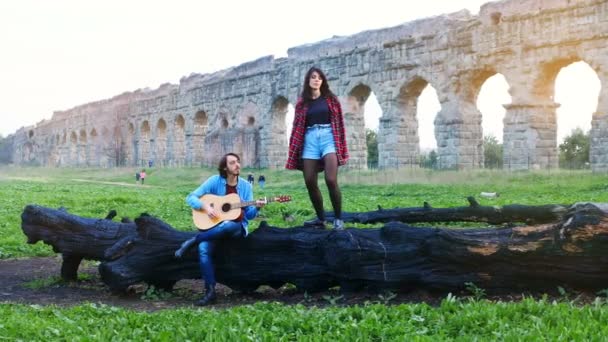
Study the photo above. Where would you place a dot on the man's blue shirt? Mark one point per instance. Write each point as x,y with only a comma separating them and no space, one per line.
216,185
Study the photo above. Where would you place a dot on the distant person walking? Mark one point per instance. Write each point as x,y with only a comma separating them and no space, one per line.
142,176
318,142
261,181
250,179
137,173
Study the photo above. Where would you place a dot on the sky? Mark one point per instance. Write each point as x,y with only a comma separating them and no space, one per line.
60,54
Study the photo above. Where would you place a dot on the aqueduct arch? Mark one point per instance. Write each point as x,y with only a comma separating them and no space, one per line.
527,41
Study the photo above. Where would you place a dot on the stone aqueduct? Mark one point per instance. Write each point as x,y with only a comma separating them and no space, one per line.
243,108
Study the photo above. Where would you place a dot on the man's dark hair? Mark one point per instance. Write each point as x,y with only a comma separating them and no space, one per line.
224,163
307,91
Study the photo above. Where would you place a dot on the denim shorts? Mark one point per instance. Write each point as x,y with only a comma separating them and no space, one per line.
318,142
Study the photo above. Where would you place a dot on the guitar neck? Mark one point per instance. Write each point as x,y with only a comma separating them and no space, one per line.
248,203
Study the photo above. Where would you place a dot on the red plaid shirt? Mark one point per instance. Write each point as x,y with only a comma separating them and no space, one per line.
296,142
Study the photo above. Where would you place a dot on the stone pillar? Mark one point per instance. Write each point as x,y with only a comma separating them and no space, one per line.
42,154
54,155
144,147
598,154
266,144
137,150
398,143
170,151
530,136
95,149
270,150
152,154
249,147
179,140
89,152
64,155
161,149
459,134
134,148
189,153
212,144
82,154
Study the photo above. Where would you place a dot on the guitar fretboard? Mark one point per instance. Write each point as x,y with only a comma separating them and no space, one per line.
248,203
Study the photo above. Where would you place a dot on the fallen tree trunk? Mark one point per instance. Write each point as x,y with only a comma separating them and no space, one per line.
75,237
529,214
397,256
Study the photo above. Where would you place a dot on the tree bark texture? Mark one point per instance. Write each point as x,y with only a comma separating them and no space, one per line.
75,237
514,213
568,252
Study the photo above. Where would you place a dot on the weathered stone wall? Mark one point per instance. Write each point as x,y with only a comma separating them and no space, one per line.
243,109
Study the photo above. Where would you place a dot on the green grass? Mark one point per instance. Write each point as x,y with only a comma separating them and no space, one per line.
93,192
453,320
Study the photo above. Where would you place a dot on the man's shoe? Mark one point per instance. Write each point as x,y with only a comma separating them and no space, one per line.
184,247
338,224
316,222
209,297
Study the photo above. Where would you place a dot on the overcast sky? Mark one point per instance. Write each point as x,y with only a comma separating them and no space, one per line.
59,54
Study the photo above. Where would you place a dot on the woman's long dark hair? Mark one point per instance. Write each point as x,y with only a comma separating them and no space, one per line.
224,163
307,91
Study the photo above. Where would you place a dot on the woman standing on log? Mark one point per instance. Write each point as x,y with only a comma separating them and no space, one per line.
227,182
318,143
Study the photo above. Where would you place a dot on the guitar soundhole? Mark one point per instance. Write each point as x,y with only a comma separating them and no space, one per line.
226,207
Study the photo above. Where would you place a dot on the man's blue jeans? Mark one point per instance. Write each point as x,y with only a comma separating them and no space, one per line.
206,245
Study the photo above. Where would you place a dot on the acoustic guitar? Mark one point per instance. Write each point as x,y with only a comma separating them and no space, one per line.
227,208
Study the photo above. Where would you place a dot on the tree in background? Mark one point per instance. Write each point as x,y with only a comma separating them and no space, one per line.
574,151
429,161
371,139
117,148
492,153
114,145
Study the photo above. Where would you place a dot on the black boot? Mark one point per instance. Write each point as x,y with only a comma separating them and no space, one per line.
209,297
185,245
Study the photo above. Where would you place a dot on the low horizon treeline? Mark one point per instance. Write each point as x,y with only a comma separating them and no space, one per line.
573,152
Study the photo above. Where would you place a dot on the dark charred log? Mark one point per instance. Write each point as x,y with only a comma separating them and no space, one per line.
529,214
568,252
75,237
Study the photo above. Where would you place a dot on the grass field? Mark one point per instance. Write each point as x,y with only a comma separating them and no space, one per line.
93,192
459,320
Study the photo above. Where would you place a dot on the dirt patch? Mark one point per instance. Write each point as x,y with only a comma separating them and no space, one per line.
36,281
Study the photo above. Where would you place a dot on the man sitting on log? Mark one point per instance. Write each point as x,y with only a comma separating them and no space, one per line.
227,182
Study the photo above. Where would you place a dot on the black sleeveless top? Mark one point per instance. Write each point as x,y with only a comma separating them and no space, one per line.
318,112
